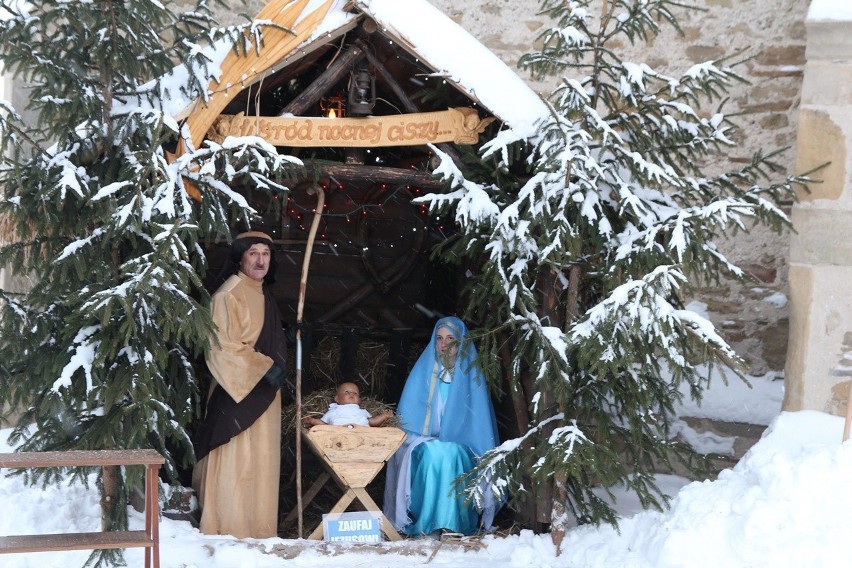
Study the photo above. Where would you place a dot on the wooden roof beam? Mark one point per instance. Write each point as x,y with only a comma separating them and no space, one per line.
316,90
377,174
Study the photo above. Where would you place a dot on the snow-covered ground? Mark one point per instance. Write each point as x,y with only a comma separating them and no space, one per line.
786,503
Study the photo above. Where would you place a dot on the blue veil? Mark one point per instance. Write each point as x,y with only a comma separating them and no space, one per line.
468,415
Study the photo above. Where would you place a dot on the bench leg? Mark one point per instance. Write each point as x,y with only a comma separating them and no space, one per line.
152,517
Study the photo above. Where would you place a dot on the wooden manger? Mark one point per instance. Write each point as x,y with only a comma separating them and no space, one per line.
353,456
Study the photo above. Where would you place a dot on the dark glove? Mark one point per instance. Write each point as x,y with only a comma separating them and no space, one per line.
274,376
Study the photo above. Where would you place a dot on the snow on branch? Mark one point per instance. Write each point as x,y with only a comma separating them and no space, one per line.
78,244
641,309
82,357
551,341
497,468
474,207
677,230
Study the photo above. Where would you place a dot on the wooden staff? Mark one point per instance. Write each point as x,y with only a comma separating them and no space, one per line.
303,284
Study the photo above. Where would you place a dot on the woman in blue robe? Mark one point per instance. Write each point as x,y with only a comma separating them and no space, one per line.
447,413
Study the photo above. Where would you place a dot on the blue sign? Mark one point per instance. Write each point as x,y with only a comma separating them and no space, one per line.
359,526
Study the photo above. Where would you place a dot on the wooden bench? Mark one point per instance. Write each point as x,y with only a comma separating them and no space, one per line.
149,538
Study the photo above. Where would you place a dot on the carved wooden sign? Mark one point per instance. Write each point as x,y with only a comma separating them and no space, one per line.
457,125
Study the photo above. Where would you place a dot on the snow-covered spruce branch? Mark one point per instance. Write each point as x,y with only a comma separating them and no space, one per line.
248,156
550,343
473,205
650,143
638,20
14,135
679,230
642,87
497,469
640,309
165,267
761,166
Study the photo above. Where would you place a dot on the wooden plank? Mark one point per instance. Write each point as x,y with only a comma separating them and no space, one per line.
80,458
370,505
365,499
357,474
152,516
237,67
389,529
343,444
252,65
367,173
340,507
74,541
407,103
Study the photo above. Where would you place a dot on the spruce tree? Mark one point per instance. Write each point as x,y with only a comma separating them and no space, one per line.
99,350
584,264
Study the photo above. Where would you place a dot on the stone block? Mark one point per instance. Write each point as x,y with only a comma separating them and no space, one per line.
764,274
839,398
702,53
780,55
817,227
827,83
820,323
828,40
775,121
773,339
820,141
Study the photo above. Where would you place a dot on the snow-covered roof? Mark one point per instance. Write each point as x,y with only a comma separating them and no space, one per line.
436,40
457,56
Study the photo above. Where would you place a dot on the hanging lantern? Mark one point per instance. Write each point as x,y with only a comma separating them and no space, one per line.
362,91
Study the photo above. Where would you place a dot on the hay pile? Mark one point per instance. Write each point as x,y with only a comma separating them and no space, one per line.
330,361
370,365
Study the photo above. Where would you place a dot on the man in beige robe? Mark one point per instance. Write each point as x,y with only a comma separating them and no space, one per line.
237,477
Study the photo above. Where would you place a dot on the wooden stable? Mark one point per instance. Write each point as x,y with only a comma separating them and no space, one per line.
353,456
366,110
360,106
